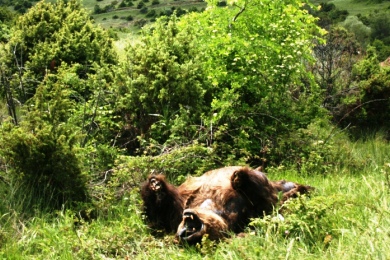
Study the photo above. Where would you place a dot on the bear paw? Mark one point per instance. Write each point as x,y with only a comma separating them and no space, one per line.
155,184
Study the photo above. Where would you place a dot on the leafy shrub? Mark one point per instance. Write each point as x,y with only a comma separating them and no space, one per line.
140,5
257,101
43,168
161,85
98,10
151,13
365,106
49,35
140,22
42,153
383,50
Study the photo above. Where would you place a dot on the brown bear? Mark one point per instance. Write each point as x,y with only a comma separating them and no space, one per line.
216,203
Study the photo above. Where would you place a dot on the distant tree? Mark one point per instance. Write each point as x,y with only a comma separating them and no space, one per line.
362,32
140,5
151,13
333,67
97,9
193,9
143,10
180,11
140,23
328,14
380,25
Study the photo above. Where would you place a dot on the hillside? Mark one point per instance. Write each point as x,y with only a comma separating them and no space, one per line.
137,13
355,7
135,16
131,15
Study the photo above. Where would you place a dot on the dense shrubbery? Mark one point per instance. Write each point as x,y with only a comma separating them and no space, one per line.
366,105
53,78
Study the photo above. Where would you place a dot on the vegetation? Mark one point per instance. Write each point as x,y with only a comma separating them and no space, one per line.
297,89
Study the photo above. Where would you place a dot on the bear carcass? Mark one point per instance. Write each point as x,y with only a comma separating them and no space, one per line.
215,203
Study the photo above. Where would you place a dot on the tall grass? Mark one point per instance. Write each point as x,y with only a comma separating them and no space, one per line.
347,217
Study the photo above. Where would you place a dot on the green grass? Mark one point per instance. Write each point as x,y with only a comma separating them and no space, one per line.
355,7
347,217
360,7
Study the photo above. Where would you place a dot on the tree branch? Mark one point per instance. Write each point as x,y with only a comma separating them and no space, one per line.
242,9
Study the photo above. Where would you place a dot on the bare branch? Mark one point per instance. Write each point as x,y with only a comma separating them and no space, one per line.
242,9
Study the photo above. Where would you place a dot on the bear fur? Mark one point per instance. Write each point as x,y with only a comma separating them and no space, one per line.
220,201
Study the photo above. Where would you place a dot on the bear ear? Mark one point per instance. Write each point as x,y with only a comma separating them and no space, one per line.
260,169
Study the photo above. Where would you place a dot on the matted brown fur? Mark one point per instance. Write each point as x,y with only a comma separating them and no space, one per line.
219,201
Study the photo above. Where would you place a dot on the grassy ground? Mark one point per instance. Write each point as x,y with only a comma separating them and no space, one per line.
347,217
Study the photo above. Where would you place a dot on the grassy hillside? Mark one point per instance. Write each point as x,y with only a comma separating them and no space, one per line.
118,17
355,7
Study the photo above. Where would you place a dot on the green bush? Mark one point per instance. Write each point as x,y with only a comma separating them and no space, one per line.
161,87
48,36
43,170
365,106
